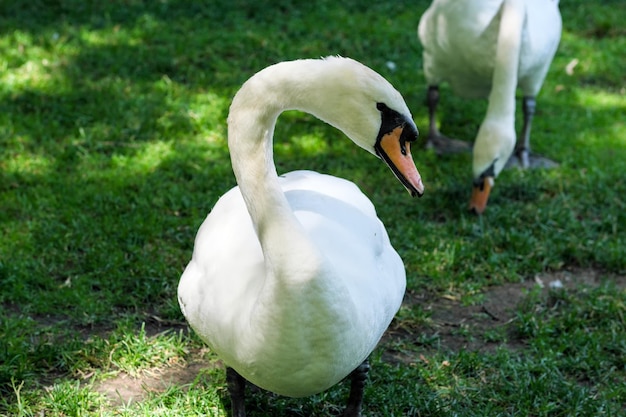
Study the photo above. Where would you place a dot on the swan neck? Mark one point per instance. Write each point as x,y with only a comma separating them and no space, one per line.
251,124
502,95
250,141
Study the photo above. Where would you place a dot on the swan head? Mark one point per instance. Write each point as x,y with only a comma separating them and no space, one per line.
492,149
393,146
341,92
372,113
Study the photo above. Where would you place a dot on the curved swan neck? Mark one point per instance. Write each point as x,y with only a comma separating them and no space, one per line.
504,83
335,90
250,140
251,123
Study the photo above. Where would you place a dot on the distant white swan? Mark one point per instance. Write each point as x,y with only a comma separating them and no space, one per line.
488,48
293,280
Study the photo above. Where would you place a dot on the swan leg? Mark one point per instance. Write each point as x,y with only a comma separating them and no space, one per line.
522,149
522,157
236,388
357,383
440,143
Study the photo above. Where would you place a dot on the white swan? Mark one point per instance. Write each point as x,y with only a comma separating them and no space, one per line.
293,280
487,48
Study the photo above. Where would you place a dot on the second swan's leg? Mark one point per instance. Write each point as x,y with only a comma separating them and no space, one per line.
522,156
522,150
440,143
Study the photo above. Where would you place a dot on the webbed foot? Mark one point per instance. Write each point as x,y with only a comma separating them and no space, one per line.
443,145
525,160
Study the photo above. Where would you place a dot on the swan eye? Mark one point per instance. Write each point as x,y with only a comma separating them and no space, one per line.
391,119
403,146
392,122
409,134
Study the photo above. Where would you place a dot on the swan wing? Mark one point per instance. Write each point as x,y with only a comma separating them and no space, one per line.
459,40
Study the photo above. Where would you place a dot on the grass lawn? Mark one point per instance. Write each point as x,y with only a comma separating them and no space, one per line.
113,150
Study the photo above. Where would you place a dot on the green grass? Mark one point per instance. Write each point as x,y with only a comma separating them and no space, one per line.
113,150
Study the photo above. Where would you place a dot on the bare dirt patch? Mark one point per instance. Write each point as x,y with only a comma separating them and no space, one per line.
487,325
124,389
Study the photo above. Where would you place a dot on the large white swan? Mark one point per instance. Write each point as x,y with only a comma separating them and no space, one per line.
293,280
488,48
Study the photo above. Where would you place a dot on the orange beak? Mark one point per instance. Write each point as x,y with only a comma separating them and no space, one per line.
397,154
480,195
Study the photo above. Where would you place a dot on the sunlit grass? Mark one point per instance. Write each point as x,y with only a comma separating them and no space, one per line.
28,164
133,353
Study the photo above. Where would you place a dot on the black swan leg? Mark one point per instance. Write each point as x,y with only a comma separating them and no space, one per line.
355,400
522,157
522,150
236,388
440,143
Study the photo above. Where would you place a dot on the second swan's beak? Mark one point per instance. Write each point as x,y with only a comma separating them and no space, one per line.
480,195
396,152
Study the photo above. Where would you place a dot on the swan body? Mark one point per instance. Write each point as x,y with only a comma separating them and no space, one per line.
293,279
488,49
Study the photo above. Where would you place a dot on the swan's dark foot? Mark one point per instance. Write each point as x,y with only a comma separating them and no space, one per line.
355,400
525,160
237,390
443,145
